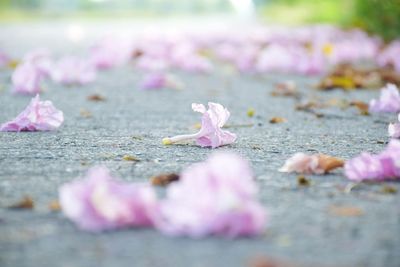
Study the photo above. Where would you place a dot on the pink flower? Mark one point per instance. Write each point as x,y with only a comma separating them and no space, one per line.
40,58
4,59
111,52
37,116
394,129
215,197
160,80
379,167
302,163
390,56
210,134
71,70
389,100
99,202
26,79
311,164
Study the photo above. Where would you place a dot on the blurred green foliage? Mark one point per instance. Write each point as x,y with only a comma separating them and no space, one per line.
378,16
375,16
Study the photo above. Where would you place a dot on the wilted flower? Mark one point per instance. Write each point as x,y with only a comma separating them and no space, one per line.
226,206
389,100
159,80
311,164
383,166
37,116
26,79
71,70
100,202
210,134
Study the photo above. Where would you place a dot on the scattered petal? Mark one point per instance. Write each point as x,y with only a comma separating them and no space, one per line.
159,80
389,100
73,71
37,116
26,79
227,204
100,202
311,164
210,134
383,166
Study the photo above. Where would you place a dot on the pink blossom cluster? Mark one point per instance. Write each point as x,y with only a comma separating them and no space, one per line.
383,166
226,206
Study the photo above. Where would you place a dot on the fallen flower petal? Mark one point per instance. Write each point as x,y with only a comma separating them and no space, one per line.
26,79
99,202
71,70
383,166
210,134
37,116
227,205
389,100
159,81
110,52
4,60
394,130
311,164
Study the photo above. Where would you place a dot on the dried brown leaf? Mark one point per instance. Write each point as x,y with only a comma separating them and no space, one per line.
361,106
329,163
277,120
164,179
25,203
96,97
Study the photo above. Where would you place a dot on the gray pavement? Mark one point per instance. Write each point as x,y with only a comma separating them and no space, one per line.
302,230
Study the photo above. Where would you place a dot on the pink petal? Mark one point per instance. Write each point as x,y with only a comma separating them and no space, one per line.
227,206
37,116
99,202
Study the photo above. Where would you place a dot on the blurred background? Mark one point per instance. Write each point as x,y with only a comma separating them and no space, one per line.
376,16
